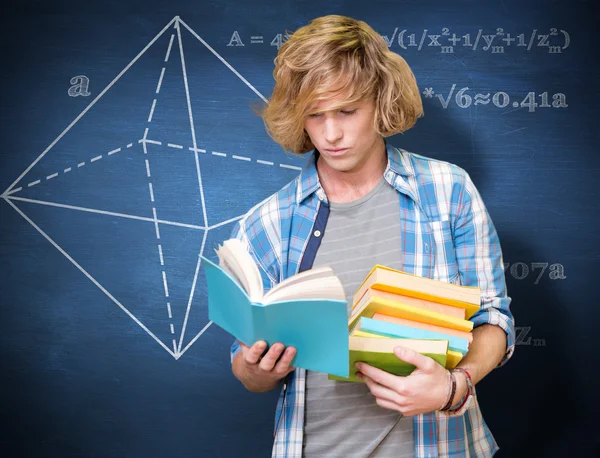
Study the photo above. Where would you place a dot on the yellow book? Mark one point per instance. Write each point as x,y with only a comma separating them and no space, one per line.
395,281
421,303
371,304
452,357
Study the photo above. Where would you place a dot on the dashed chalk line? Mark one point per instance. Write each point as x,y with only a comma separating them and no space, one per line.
69,169
152,110
159,143
151,191
162,73
144,142
160,255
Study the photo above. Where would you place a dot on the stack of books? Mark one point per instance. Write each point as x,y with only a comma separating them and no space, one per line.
392,308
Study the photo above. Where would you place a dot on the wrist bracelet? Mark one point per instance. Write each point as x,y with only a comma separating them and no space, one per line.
467,373
470,389
452,391
448,391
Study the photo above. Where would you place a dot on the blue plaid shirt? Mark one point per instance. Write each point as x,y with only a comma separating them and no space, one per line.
447,234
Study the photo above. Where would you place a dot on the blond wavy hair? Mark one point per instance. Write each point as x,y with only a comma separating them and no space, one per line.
335,55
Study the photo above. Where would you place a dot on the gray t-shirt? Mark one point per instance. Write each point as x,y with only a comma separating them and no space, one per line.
342,419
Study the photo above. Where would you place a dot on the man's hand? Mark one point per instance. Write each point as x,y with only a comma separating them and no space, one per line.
259,374
424,390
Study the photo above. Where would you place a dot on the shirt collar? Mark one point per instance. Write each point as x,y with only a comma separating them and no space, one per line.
398,164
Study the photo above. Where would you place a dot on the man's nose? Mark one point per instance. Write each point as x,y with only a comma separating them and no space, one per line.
332,130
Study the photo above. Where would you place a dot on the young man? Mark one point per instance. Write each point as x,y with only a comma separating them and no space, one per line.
360,201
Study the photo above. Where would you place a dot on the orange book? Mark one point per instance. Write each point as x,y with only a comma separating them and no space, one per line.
371,303
425,326
395,281
422,303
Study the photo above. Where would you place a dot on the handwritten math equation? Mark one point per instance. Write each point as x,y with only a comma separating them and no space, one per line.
522,337
500,99
555,41
552,41
538,270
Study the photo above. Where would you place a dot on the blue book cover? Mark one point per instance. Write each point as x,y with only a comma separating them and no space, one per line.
317,328
398,330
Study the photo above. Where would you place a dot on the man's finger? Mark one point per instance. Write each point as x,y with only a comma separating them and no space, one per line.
382,392
378,376
422,362
283,365
388,405
255,352
267,363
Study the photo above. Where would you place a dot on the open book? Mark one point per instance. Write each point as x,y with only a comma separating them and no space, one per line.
319,283
307,311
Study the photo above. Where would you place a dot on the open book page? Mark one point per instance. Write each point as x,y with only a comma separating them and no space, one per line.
227,267
311,287
228,262
234,258
317,272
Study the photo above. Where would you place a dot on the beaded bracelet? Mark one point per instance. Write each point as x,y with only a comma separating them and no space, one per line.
448,403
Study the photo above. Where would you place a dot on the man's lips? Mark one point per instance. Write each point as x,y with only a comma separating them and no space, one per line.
337,150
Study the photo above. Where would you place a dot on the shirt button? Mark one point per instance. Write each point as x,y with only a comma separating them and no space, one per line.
317,233
427,248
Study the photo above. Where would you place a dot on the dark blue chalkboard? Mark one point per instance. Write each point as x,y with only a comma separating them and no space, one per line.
129,147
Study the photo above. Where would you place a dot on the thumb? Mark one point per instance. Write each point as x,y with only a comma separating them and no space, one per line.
415,358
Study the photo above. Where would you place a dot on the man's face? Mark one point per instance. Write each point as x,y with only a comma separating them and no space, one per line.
345,137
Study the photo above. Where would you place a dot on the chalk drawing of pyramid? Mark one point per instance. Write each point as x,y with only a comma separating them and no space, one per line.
151,175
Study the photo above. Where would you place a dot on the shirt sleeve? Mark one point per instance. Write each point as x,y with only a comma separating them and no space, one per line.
479,258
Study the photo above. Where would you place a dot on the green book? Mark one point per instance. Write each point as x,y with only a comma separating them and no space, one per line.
380,353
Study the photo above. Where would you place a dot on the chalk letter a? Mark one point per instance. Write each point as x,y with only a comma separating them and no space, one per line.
80,86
